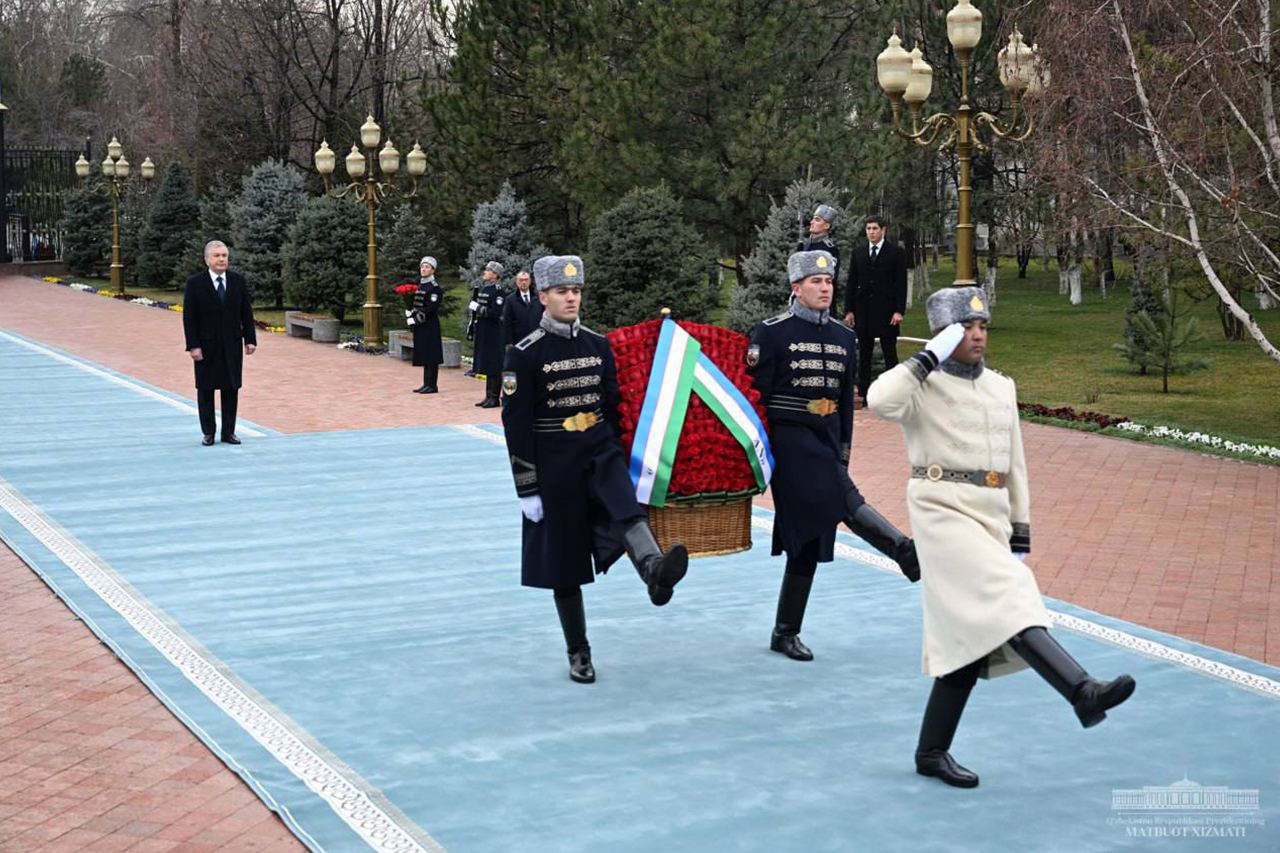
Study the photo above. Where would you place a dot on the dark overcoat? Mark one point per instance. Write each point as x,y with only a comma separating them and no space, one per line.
519,319
219,328
427,347
877,289
489,346
560,416
805,373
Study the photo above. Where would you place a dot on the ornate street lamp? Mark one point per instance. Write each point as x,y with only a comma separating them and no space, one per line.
372,193
907,77
115,168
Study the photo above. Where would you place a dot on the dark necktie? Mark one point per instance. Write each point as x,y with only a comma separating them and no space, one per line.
875,250
222,290
526,298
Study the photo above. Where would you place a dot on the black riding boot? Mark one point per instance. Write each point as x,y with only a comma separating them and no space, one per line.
430,376
1090,698
880,534
792,600
660,572
492,388
941,717
573,621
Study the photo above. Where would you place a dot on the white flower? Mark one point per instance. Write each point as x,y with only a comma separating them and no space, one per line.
1197,437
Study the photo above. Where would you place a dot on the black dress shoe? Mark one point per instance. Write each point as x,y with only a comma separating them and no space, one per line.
422,389
430,389
490,403
480,405
1095,698
939,764
230,439
790,645
580,668
207,441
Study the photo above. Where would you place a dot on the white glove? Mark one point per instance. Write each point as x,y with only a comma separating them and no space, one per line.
945,342
532,508
473,305
408,312
1021,555
411,321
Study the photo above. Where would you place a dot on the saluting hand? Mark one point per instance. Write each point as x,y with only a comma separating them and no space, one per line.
945,342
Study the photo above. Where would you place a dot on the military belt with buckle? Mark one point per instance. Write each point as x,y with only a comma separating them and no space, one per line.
938,474
822,407
577,422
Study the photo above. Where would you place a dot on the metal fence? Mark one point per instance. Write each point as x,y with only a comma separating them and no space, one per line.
34,180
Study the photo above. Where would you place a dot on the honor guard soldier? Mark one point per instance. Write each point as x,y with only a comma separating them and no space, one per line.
424,320
560,416
971,511
803,364
820,239
487,355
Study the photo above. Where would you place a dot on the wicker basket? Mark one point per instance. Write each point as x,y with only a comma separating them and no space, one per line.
707,530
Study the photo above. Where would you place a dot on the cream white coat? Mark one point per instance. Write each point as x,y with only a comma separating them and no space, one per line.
977,594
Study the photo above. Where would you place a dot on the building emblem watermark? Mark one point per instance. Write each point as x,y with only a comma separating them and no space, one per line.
1185,809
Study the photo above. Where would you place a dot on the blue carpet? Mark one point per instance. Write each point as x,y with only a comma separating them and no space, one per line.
339,616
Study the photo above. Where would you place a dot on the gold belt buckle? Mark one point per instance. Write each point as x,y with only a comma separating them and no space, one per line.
822,407
580,422
993,479
934,472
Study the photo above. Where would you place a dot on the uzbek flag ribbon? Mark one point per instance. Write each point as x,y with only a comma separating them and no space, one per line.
680,367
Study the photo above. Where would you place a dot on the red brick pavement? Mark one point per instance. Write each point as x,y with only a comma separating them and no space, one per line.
89,760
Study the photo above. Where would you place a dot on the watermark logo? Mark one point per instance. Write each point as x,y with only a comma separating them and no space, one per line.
1185,809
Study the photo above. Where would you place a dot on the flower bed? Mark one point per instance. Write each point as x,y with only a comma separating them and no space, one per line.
1200,439
1066,413
355,343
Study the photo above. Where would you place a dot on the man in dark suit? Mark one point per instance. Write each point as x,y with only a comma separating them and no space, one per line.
876,299
521,313
217,319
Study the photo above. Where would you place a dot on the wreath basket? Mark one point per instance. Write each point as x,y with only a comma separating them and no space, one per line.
708,503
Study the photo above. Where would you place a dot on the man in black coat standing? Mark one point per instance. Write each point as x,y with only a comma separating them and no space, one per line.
522,312
217,319
876,299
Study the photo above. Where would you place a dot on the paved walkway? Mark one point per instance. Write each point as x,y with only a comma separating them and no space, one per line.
89,760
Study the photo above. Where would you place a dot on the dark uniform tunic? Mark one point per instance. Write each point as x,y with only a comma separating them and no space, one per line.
560,415
488,351
805,372
427,348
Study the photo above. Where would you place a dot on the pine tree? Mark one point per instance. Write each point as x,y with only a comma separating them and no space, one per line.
174,220
135,212
269,200
324,257
1162,340
405,243
500,231
643,256
1137,344
215,224
762,289
86,228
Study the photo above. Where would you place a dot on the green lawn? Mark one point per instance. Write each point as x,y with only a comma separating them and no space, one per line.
1060,355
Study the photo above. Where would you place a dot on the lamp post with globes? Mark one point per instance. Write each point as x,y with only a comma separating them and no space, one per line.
907,77
115,168
372,193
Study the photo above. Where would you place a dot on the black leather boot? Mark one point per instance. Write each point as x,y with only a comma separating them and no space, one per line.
430,376
793,598
492,388
660,572
1090,698
941,717
880,534
573,621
